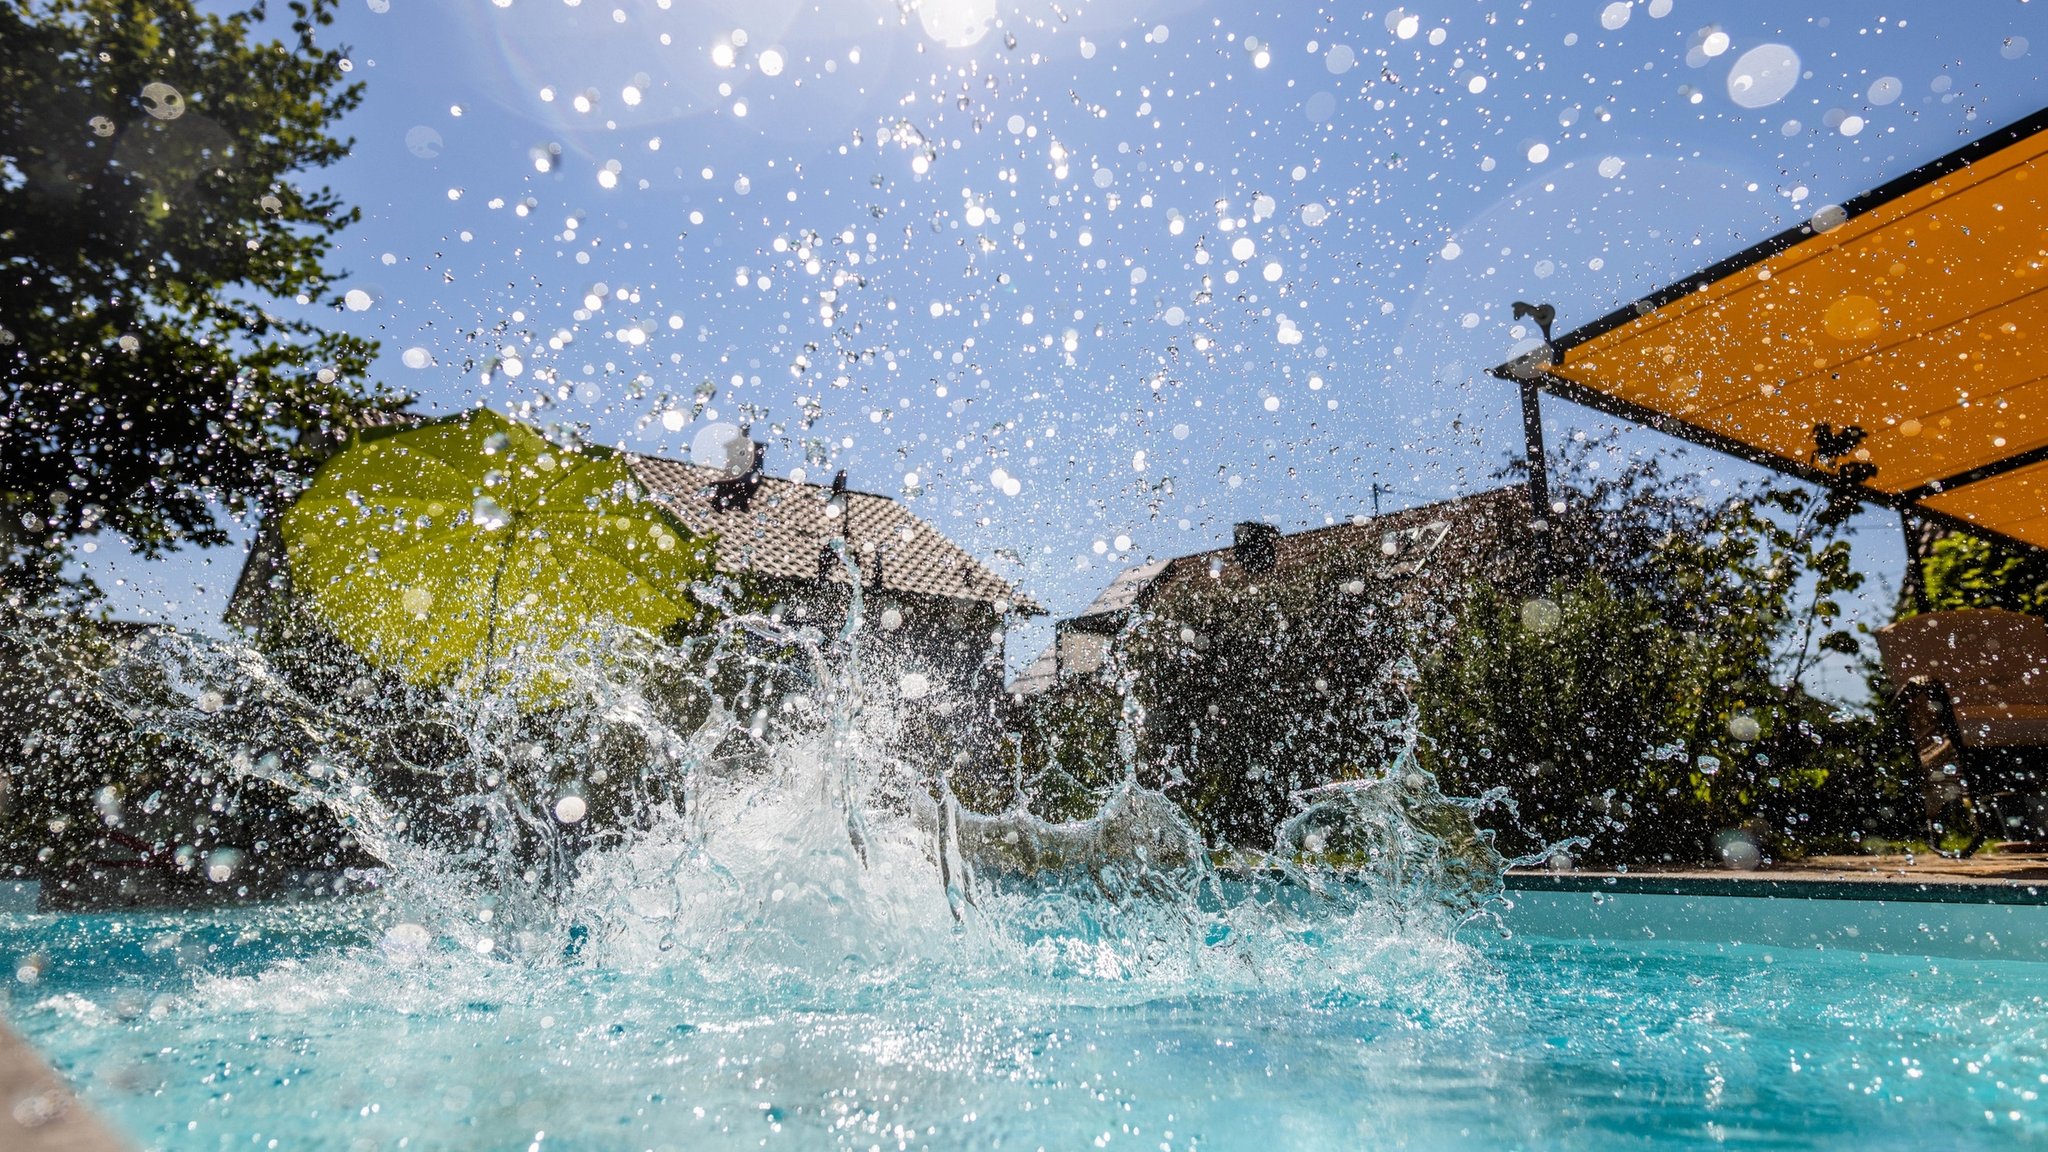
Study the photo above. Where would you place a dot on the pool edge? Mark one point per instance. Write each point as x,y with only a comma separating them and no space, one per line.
1879,888
42,1113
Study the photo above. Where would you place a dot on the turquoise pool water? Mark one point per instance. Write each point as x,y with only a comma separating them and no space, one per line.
818,948
309,1027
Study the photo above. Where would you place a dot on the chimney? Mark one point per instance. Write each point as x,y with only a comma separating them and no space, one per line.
1255,546
736,493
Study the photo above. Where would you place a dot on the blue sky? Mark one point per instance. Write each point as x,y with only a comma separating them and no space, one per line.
1104,277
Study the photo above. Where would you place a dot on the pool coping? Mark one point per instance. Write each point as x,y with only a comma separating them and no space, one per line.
43,1114
1750,885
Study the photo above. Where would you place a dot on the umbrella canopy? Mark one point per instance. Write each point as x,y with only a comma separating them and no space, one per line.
452,543
1887,348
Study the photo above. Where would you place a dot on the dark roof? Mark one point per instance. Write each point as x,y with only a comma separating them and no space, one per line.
1433,547
787,524
1408,532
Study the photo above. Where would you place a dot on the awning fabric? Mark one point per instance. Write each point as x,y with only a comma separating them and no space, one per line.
1892,345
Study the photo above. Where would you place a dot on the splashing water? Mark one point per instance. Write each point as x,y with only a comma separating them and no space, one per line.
771,921
746,809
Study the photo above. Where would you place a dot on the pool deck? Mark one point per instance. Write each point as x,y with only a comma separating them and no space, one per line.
2002,877
38,1113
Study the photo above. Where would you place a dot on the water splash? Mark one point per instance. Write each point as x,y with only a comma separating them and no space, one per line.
756,809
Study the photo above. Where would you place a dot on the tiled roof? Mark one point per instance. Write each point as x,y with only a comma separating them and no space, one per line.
1127,589
786,525
1400,544
1435,546
1039,675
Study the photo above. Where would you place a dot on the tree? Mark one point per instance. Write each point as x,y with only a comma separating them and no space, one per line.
149,217
1965,571
98,763
1651,697
1256,688
1234,691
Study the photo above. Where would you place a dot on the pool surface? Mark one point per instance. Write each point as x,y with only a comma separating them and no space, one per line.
305,1027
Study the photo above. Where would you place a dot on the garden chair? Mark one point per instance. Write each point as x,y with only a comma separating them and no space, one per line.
1973,688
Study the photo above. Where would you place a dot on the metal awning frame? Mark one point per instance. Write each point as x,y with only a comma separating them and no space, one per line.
1531,371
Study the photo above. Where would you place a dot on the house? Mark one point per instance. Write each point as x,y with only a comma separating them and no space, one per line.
924,598
1421,557
1238,677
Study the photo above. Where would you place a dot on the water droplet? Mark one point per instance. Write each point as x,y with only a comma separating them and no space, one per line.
406,940
1541,614
221,864
1853,317
423,142
1763,76
489,515
167,103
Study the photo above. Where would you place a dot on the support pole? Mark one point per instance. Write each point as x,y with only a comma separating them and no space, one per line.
1532,447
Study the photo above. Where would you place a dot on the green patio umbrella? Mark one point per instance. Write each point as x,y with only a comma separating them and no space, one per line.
442,547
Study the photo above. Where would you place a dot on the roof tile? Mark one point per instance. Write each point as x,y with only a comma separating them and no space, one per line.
788,524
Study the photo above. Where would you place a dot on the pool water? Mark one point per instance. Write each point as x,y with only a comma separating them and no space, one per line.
303,1027
819,948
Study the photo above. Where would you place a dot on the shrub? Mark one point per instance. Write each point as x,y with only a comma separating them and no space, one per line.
1652,701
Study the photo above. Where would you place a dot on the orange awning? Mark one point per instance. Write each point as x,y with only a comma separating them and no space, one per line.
1891,345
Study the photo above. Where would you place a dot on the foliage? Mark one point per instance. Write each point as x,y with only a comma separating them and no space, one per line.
82,779
1965,571
1256,687
1065,741
1232,692
1650,698
148,214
